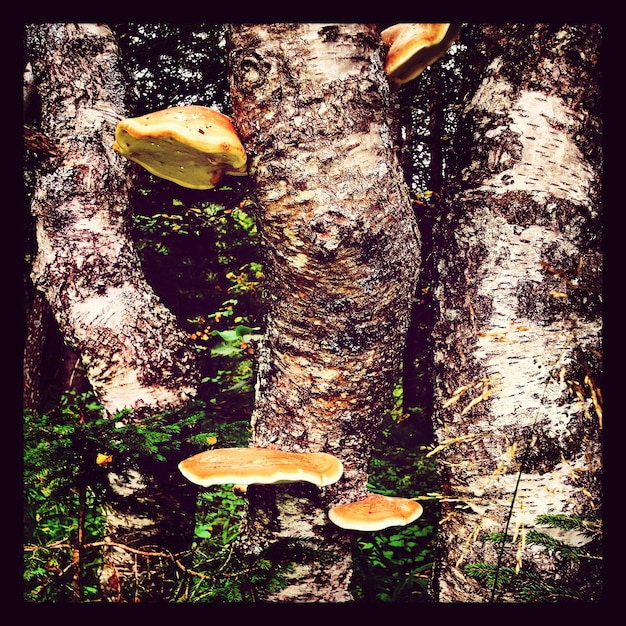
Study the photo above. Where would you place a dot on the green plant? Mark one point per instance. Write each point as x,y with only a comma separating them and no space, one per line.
201,255
576,577
51,550
394,565
217,571
68,453
231,342
213,570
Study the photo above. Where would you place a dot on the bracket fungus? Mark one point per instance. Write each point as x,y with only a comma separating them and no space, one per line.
192,146
260,466
375,512
413,47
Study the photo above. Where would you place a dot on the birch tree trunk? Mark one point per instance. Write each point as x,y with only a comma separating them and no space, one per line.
518,352
341,247
133,351
36,330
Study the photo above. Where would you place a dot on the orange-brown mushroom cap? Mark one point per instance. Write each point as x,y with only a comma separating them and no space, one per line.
193,146
413,47
375,512
248,466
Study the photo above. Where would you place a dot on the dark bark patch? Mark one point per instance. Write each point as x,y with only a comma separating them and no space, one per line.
329,33
535,302
357,338
482,310
576,279
548,450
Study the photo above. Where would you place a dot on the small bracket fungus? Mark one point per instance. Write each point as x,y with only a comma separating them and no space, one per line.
193,146
375,512
413,47
256,466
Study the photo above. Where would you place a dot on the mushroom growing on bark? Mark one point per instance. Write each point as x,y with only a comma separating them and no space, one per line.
375,512
193,146
413,47
260,466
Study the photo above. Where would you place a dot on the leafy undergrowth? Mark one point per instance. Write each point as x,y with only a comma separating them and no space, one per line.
218,573
391,565
394,565
579,567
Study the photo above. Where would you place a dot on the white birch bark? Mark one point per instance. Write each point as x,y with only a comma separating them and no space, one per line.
518,338
134,352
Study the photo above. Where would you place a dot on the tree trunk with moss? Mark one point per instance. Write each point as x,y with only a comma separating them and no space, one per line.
134,353
518,346
311,103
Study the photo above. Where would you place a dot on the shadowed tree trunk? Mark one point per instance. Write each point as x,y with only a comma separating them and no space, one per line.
341,253
36,331
518,351
134,354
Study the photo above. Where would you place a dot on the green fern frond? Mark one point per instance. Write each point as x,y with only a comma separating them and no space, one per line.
531,587
489,573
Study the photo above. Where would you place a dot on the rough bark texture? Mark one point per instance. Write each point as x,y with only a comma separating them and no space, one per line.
341,249
36,329
518,350
133,351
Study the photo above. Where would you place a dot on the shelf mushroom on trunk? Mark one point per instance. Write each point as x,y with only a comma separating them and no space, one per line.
192,146
260,466
375,512
413,47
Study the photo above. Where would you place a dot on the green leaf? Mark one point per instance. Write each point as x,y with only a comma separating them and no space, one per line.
203,532
226,335
224,349
242,331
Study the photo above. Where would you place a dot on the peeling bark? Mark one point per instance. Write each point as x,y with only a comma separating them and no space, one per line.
518,344
341,249
134,353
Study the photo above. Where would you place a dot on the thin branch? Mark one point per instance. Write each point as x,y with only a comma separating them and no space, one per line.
166,554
